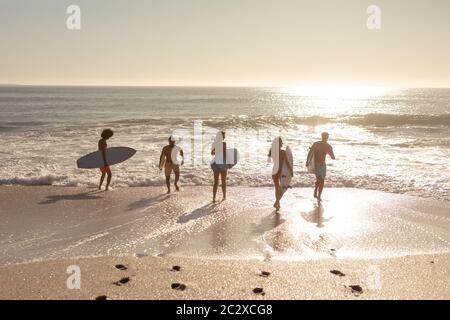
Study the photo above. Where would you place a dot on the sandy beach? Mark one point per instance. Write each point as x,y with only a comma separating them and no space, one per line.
392,246
143,97
411,277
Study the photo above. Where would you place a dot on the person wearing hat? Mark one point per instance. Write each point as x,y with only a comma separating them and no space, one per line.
168,161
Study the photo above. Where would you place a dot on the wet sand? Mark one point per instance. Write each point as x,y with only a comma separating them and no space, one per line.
222,247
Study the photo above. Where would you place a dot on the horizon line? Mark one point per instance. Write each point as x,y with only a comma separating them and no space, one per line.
219,86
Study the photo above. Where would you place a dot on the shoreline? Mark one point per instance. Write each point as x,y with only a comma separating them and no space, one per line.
161,184
64,222
222,248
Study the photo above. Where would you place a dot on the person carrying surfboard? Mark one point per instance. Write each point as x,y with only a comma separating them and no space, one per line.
168,161
320,149
219,164
279,158
102,145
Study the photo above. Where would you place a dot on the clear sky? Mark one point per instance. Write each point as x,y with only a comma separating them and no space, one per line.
226,42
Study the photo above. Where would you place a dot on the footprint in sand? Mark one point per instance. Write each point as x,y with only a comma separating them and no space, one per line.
122,281
121,267
178,286
264,274
338,273
356,289
176,268
259,291
101,298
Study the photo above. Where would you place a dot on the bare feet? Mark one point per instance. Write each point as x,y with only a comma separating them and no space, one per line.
168,191
177,188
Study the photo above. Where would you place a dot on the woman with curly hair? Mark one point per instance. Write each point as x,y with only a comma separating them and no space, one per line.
102,145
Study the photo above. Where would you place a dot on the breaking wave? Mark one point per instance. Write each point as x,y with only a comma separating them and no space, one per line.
372,182
368,120
264,121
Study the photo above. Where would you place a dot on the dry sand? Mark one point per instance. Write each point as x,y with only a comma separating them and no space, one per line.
412,277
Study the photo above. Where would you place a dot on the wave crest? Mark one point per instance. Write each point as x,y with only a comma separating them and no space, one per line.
368,120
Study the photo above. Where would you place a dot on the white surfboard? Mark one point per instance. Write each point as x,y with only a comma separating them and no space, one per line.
286,175
114,155
174,155
232,158
310,163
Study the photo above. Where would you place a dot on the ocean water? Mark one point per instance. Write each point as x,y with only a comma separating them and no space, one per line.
394,140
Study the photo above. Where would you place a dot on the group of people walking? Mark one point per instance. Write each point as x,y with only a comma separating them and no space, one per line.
169,163
219,165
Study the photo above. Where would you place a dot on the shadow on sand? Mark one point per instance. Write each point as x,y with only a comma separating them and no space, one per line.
91,195
146,203
197,213
316,215
268,223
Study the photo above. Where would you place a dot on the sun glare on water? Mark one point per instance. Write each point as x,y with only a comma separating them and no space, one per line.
337,92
